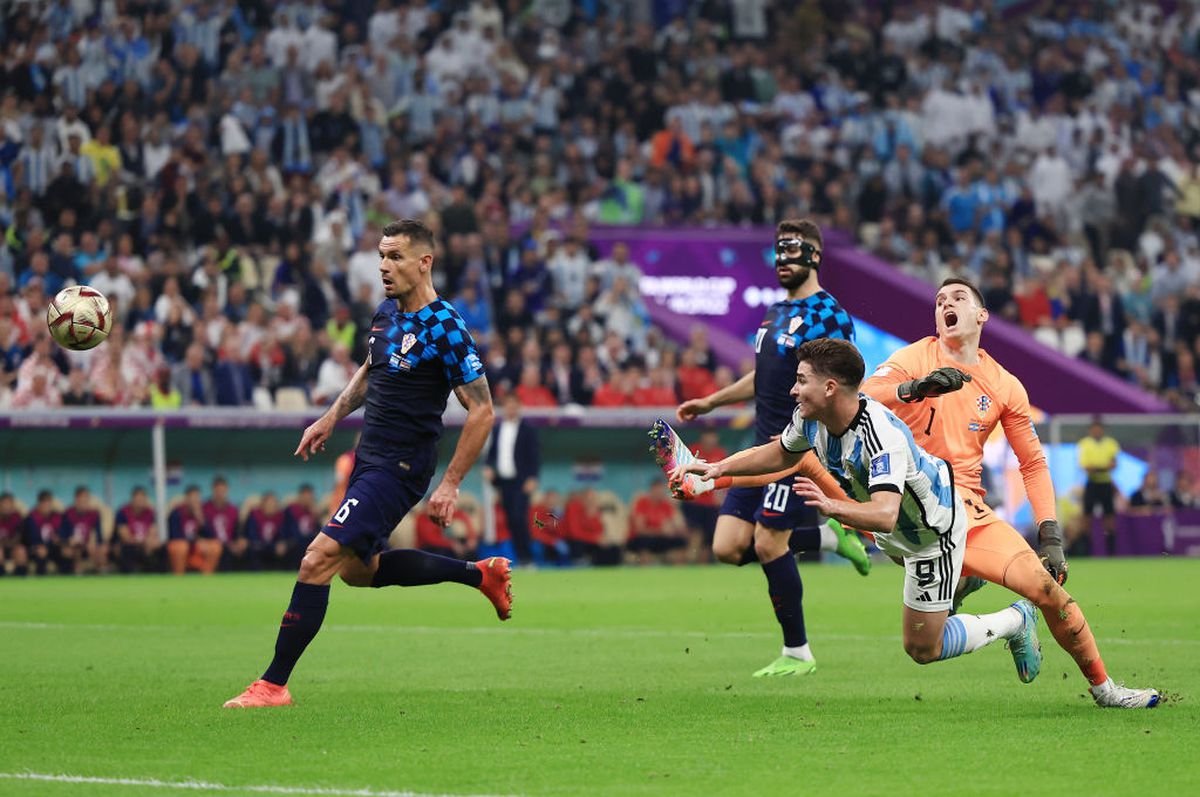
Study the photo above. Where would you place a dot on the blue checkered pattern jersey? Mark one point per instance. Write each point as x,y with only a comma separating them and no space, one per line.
414,360
787,325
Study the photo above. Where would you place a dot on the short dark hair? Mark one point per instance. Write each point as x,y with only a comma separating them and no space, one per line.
80,490
836,359
44,495
191,488
805,228
138,489
968,285
219,480
306,488
412,229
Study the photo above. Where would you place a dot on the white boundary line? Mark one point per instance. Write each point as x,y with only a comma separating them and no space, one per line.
201,785
615,632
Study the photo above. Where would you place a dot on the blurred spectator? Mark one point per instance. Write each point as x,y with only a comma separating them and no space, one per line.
43,543
303,522
190,541
136,534
458,540
1150,498
13,553
546,530
81,537
1098,458
266,535
583,525
513,467
334,374
193,379
656,526
221,518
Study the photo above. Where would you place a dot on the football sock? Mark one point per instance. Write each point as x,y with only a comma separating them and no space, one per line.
964,633
787,592
829,538
1026,577
408,567
809,538
802,652
300,624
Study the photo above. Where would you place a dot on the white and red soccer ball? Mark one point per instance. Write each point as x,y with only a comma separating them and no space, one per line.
79,318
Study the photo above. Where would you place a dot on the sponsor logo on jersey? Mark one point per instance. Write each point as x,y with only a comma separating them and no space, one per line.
881,465
794,324
473,362
974,426
407,342
400,363
983,404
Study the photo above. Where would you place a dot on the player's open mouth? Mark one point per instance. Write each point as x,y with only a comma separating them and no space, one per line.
951,318
387,283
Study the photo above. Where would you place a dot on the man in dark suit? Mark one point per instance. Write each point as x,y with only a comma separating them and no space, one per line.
513,464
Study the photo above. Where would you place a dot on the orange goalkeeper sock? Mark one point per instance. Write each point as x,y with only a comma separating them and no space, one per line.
1026,577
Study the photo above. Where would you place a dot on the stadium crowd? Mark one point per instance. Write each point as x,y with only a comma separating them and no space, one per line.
221,170
588,526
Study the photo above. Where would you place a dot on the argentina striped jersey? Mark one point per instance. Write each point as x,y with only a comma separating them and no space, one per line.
877,453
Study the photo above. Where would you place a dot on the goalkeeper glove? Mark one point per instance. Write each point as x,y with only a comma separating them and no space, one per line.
938,382
1050,550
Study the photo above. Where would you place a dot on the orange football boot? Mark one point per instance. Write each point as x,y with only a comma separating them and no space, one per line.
497,584
261,694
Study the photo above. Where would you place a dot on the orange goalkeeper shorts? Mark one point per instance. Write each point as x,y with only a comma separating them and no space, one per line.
992,544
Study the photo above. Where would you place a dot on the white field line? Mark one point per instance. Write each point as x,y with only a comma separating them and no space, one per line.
201,785
599,633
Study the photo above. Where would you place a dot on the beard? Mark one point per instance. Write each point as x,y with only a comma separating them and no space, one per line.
795,279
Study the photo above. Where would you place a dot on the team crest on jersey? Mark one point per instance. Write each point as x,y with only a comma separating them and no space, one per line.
407,342
794,324
974,426
983,404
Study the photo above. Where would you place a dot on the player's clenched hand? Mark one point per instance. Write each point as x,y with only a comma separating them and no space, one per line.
442,504
807,489
705,470
314,437
939,382
692,408
1050,550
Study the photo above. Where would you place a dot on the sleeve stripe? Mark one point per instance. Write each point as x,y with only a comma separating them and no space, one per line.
883,488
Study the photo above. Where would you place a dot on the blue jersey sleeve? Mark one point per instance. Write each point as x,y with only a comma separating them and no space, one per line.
455,347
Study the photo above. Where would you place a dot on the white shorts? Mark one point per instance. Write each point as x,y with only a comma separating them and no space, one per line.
931,575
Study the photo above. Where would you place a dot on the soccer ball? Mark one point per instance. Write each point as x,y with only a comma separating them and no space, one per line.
79,318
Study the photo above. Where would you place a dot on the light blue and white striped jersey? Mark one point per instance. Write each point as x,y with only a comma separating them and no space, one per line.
876,453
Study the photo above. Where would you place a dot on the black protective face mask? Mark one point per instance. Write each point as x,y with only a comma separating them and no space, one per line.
809,256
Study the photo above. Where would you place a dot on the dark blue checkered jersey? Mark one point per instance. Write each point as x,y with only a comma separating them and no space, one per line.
414,360
787,325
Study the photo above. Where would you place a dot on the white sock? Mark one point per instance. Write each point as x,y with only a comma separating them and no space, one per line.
829,538
965,633
801,652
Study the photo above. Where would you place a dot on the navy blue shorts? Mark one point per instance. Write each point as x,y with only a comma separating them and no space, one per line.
774,505
377,499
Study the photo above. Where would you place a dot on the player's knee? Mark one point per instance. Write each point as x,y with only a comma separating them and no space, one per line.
355,578
920,652
318,566
769,549
728,551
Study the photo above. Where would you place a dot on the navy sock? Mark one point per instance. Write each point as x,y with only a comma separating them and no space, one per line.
408,567
805,539
300,624
786,590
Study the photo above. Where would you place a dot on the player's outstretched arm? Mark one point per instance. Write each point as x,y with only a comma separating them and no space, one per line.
741,390
351,398
768,458
476,396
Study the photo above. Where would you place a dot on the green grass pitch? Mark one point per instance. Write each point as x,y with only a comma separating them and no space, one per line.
628,681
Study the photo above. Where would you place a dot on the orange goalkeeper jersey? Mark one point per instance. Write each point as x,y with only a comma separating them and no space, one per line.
956,425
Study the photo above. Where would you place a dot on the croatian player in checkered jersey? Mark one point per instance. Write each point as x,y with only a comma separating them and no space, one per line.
769,523
895,490
419,350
